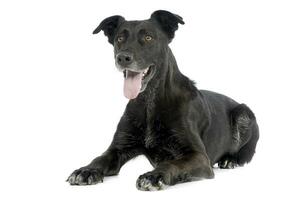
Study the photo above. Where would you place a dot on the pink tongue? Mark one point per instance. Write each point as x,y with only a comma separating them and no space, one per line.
132,85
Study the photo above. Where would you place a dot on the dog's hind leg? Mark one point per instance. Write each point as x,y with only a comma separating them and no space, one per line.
245,136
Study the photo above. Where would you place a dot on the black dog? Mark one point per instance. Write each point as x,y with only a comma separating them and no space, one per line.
181,130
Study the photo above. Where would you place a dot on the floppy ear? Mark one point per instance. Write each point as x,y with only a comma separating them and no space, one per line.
168,22
109,26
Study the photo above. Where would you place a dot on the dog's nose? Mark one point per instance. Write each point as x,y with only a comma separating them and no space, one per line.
124,58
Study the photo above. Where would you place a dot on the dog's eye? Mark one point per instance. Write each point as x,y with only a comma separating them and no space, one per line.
120,39
148,38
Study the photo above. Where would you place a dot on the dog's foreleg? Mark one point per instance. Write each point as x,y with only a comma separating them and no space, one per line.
187,168
122,149
106,164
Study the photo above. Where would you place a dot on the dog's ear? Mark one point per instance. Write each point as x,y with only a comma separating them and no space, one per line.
110,26
167,21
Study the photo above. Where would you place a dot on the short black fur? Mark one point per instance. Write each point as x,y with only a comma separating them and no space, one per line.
181,130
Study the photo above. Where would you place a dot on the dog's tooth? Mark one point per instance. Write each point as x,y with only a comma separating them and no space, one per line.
145,71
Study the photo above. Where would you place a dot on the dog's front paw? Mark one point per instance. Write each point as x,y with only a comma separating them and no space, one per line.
85,176
151,181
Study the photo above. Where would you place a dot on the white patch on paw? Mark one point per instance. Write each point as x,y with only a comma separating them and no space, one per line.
146,185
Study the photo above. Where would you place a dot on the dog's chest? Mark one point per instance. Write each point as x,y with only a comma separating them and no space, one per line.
156,130
153,134
160,143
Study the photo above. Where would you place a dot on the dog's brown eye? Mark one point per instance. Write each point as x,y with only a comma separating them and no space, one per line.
120,39
148,38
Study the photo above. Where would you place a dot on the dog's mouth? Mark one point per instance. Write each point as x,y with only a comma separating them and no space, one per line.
134,81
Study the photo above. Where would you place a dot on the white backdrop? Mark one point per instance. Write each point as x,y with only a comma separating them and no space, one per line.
61,95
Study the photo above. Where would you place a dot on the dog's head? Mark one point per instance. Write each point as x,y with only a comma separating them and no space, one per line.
139,46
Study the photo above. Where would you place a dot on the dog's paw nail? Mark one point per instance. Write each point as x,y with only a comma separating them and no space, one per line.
90,180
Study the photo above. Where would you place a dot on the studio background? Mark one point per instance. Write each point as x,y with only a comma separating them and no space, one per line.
61,96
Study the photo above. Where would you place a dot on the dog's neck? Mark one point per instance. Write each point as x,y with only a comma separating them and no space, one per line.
169,84
168,87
